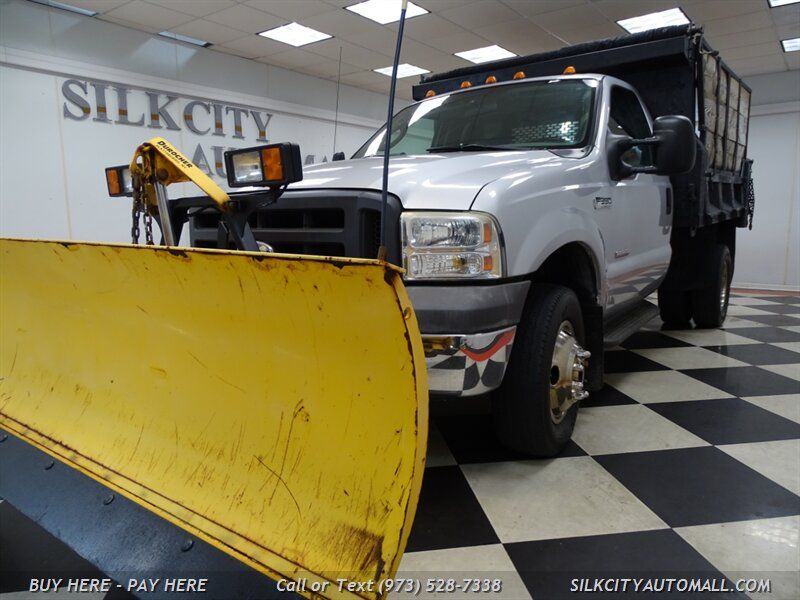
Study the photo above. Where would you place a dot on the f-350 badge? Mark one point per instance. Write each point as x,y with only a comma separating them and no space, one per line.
601,202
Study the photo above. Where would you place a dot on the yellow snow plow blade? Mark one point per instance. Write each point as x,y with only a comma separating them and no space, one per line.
273,405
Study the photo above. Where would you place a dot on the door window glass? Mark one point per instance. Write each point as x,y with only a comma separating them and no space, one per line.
627,117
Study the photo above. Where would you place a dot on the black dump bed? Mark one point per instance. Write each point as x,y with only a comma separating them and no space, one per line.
677,73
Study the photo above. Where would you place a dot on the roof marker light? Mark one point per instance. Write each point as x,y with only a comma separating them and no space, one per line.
519,75
465,84
570,70
491,79
430,94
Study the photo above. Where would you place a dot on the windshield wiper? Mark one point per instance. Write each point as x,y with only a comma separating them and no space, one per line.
471,148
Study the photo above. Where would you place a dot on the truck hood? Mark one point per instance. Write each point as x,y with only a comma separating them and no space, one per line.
434,181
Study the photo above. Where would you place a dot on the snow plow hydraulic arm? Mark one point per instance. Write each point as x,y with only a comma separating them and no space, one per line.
157,164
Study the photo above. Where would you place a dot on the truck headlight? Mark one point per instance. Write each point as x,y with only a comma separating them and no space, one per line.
439,245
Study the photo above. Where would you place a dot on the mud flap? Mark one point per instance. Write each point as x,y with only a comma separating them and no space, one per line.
275,406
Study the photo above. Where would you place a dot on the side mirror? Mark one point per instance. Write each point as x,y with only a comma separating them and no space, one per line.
674,144
338,156
676,148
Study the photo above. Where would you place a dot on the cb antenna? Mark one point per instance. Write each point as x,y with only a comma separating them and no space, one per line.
338,85
388,136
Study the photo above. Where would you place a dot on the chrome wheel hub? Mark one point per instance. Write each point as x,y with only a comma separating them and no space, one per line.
566,372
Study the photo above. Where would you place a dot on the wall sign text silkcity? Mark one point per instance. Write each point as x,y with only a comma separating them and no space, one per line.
78,108
113,103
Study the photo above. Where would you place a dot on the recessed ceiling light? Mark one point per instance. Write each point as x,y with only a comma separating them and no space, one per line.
385,11
295,34
76,9
776,3
664,18
404,70
185,38
482,55
792,45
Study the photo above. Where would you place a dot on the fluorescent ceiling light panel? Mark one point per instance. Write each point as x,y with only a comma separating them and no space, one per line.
482,55
185,38
76,9
792,45
664,18
777,3
295,35
404,70
385,11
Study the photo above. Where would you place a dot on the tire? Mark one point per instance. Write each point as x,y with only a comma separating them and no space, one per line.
675,307
710,305
521,408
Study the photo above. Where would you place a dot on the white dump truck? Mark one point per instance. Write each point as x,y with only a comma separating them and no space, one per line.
535,203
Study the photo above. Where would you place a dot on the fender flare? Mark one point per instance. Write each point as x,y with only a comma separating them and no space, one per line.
573,226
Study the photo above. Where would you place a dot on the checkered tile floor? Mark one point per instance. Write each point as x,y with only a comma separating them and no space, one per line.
687,463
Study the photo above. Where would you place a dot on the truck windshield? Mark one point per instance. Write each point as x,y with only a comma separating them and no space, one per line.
536,114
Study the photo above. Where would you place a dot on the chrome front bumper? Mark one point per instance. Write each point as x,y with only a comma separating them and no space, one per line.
467,365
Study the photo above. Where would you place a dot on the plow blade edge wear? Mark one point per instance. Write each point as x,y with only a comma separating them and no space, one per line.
274,406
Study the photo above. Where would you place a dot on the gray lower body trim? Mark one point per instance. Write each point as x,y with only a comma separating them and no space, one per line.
468,309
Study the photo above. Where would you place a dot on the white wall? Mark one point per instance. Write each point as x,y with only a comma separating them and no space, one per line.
51,167
768,257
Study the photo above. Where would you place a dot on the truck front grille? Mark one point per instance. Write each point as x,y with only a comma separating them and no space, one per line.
329,223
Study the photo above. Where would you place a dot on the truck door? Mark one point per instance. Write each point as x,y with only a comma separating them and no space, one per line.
637,242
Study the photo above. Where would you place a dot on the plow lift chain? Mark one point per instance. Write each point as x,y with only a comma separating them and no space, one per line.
139,210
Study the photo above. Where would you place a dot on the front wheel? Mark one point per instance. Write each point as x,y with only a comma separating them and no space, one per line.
710,304
535,409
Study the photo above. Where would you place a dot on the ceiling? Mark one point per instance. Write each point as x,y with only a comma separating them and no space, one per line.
747,32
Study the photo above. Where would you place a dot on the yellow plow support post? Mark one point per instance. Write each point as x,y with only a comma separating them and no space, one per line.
157,157
273,405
